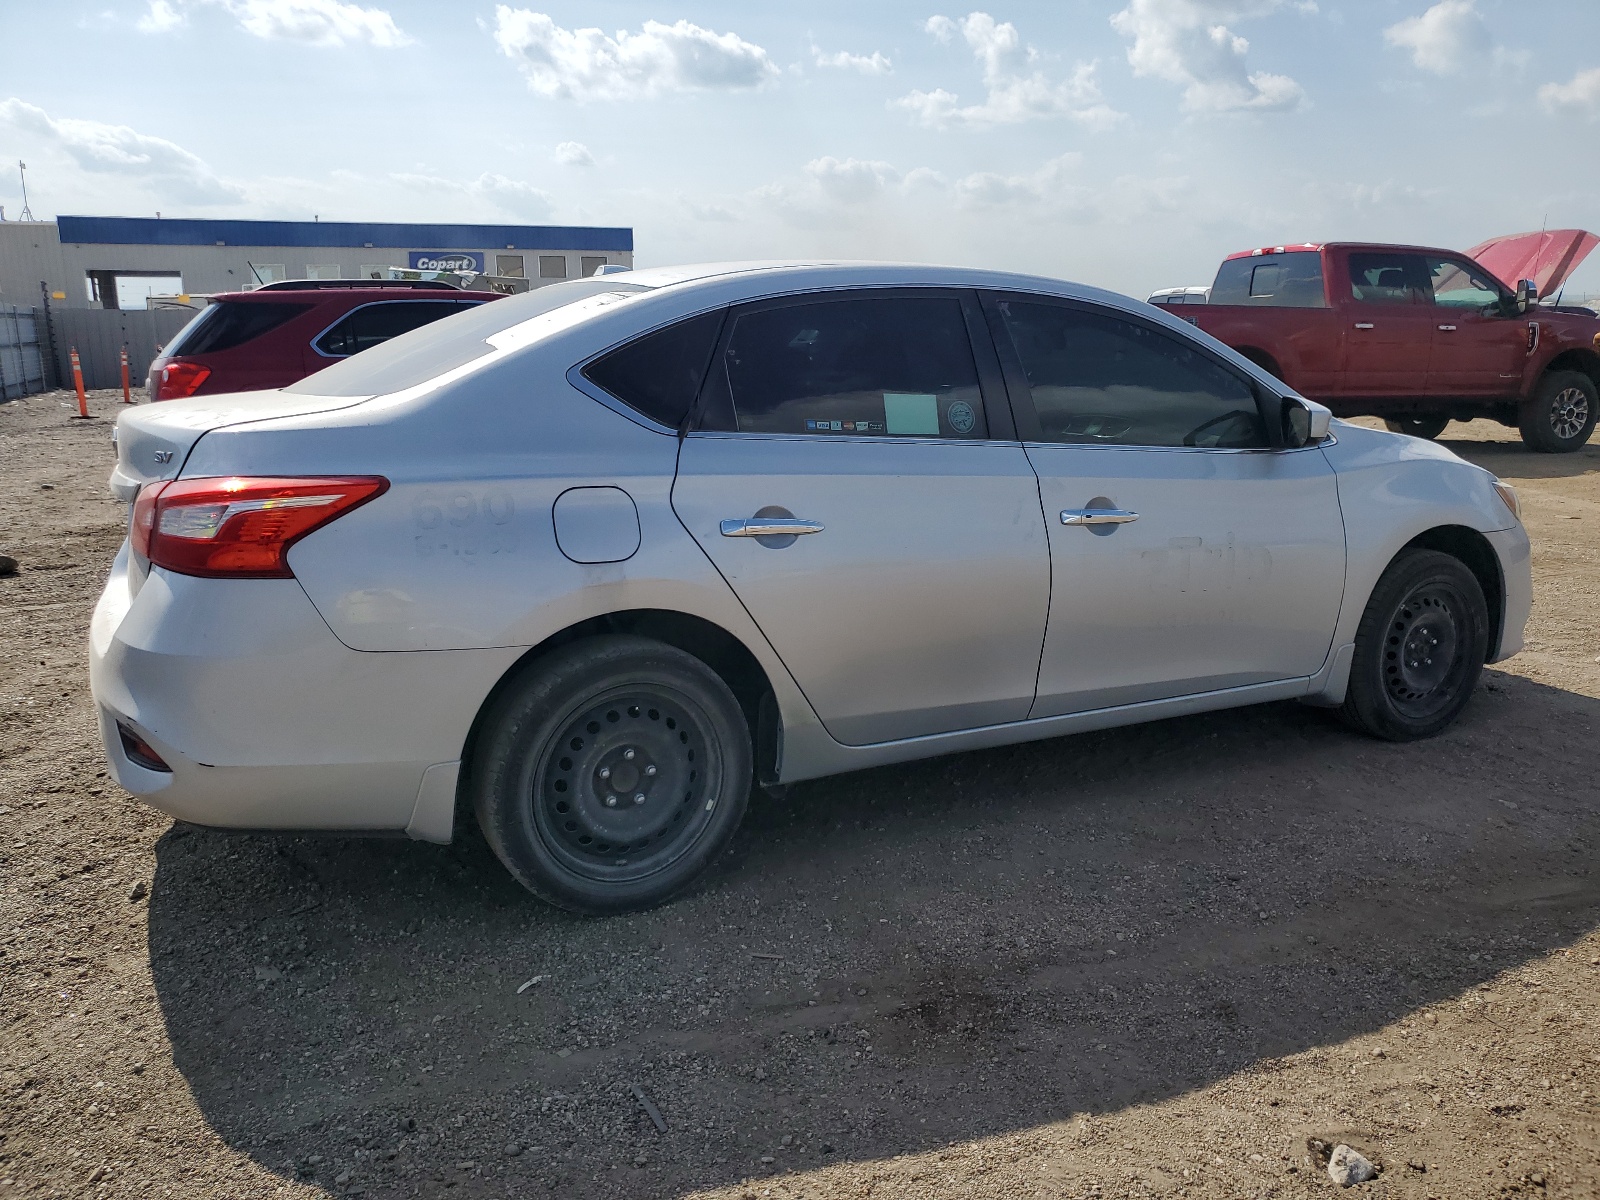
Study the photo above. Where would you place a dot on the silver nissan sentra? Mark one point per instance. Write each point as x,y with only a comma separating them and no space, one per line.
595,559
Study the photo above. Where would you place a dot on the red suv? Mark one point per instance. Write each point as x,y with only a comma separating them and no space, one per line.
268,338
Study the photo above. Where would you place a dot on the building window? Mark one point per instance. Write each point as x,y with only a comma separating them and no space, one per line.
552,266
374,271
268,272
592,264
508,266
323,271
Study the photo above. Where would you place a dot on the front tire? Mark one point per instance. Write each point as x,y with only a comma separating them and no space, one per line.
1426,428
1420,648
1561,415
611,776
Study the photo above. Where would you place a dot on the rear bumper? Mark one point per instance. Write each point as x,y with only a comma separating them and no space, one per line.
267,720
1516,572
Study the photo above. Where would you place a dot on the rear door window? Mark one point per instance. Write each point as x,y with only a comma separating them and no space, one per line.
1291,280
1099,379
1389,278
879,366
230,323
373,324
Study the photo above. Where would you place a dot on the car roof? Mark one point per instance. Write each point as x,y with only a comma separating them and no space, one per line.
347,295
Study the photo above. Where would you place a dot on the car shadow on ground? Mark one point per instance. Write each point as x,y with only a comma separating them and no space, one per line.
885,962
1514,460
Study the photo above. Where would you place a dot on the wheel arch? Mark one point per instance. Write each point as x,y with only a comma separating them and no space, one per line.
1472,550
1262,359
713,645
1585,362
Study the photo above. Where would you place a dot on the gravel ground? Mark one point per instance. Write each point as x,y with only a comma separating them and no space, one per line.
1177,959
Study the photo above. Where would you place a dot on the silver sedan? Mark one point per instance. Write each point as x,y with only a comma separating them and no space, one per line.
594,560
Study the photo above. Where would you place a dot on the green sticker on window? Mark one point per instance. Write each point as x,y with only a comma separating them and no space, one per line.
911,414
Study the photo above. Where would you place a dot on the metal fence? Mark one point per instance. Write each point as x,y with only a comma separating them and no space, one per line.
22,355
99,334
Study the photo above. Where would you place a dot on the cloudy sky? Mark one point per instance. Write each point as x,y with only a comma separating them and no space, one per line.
1128,143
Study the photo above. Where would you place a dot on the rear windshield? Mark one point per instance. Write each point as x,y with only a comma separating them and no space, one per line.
426,353
230,323
1272,281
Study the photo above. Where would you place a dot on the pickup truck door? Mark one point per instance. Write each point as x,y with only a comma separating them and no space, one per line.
1480,341
1186,555
1389,323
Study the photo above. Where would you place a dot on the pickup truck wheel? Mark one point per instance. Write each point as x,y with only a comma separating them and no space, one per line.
1561,415
613,775
1419,648
1426,428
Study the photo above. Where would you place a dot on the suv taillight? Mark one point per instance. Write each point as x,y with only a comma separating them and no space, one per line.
239,528
180,379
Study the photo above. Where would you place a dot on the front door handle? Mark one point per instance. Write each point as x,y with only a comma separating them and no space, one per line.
1363,324
769,527
1448,328
1097,516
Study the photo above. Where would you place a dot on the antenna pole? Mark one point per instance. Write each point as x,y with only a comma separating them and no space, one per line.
22,172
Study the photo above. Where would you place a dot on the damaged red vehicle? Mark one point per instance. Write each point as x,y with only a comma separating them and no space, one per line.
1420,336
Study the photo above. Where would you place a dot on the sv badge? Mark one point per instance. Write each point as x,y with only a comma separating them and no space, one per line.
163,456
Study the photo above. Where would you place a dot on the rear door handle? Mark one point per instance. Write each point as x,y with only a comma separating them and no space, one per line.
1363,324
1448,328
1097,516
769,527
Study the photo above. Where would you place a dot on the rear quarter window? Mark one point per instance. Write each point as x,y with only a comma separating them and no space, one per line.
231,323
1272,281
660,373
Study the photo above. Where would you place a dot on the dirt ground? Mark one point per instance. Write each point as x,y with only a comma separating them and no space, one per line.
1153,961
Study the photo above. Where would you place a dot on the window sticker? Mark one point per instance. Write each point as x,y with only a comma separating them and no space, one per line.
911,414
961,417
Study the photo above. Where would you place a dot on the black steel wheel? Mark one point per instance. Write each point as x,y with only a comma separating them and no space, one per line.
613,774
1419,649
1561,414
1426,428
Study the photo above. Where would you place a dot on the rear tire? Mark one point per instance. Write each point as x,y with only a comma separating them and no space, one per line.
610,777
1426,428
1561,414
1420,648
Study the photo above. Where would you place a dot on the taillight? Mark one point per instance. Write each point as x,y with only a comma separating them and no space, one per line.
239,528
180,379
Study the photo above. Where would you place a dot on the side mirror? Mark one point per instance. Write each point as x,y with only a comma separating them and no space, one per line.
1527,295
1305,422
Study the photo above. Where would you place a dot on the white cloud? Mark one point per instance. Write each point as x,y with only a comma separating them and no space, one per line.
1444,39
1188,42
1017,89
868,64
317,22
851,180
586,64
93,146
511,196
1581,95
160,18
574,154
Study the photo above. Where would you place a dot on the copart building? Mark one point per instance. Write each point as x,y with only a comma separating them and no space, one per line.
88,277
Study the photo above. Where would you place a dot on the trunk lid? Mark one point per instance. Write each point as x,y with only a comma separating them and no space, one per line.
153,440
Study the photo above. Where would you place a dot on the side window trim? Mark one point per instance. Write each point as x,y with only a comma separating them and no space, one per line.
982,352
316,341
1027,417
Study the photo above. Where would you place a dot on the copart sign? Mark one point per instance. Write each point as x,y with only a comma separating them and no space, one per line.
446,260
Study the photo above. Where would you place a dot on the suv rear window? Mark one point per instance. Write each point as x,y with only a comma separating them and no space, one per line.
230,323
372,324
1271,281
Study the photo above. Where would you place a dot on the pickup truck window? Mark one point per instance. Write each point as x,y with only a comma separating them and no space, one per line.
1457,285
1389,278
1272,280
1097,379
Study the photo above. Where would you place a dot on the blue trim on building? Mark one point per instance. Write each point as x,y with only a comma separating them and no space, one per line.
153,231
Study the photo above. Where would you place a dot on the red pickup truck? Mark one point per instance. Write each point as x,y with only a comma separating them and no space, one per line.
1418,336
